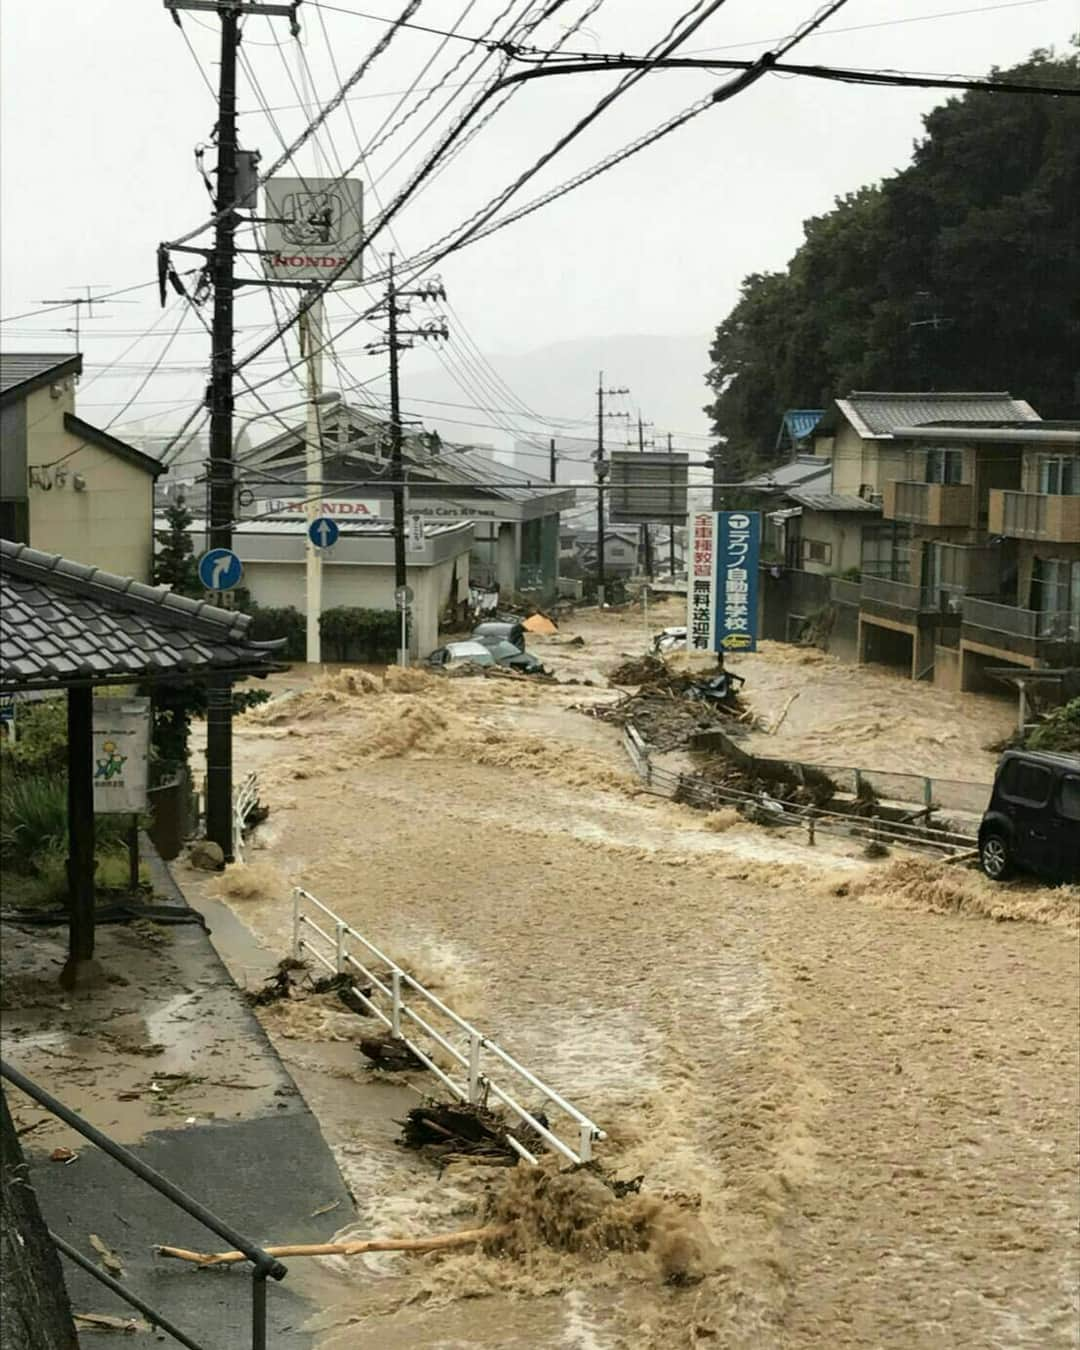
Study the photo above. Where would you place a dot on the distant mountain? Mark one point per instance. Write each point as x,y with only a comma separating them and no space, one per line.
665,376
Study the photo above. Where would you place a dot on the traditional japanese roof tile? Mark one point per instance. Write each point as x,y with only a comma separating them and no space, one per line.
876,415
23,372
63,623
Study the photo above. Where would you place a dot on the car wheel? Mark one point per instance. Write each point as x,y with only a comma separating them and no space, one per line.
995,858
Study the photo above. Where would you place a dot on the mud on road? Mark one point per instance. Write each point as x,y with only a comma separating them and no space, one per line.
853,1090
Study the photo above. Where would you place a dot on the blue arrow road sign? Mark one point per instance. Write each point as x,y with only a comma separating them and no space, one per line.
220,569
323,532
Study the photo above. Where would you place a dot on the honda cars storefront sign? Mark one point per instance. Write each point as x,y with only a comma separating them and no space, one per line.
314,229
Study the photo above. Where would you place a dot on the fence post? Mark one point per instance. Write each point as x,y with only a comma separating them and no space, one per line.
340,953
296,923
474,1069
928,794
585,1146
810,830
395,1007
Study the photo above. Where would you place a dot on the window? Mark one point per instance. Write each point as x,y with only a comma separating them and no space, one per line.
1059,475
944,466
817,550
1069,797
1027,783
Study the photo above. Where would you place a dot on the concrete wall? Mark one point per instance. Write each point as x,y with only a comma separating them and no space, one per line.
947,668
841,532
110,522
278,584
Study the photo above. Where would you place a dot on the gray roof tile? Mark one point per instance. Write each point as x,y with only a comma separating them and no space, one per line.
61,620
881,413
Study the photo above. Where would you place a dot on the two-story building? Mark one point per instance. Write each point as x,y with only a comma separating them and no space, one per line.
994,510
67,486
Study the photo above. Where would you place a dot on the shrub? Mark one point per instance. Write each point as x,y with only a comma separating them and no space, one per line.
1059,730
41,747
356,634
34,826
285,622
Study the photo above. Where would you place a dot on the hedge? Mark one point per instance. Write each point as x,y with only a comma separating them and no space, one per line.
354,634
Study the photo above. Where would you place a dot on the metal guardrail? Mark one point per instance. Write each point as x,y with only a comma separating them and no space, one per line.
245,798
701,792
263,1264
395,986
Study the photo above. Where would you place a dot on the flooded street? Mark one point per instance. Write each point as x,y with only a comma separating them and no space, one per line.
852,1095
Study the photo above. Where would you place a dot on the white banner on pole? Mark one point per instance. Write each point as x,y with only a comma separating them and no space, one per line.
313,226
415,542
121,743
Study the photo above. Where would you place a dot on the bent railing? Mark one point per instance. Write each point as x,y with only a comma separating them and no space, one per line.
263,1264
396,987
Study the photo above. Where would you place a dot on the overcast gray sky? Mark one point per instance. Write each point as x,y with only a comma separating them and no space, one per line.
103,104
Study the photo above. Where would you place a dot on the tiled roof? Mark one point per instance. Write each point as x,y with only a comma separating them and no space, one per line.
801,472
23,372
63,622
879,414
831,501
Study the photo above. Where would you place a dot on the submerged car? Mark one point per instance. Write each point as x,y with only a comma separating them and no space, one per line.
1033,821
509,630
460,654
670,640
506,654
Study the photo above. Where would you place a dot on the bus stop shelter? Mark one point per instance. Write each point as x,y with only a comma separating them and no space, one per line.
68,628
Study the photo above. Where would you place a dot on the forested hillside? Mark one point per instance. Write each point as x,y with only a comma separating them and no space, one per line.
981,232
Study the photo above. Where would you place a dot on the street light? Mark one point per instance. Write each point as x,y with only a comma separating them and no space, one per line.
331,396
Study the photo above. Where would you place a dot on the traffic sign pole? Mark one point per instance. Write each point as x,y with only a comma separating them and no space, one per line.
311,329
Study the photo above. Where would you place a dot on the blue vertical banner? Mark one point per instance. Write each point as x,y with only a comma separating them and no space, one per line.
738,549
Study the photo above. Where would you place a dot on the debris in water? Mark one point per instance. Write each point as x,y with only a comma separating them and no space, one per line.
453,1131
389,1053
875,849
109,1258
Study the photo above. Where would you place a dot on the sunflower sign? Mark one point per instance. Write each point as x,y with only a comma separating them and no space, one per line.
121,733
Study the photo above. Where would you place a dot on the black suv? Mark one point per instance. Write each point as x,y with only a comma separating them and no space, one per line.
1033,821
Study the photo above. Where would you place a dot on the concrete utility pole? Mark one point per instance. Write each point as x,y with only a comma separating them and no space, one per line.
311,339
553,469
398,340
601,474
671,526
646,537
219,805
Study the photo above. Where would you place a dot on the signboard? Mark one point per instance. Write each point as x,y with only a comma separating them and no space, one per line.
738,548
723,580
647,486
340,508
323,532
121,736
220,569
415,542
403,597
314,226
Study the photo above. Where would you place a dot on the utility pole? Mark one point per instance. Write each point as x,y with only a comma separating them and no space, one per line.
398,340
601,474
219,804
671,527
553,469
646,537
311,341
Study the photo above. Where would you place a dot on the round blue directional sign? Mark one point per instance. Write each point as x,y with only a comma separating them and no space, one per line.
220,569
323,532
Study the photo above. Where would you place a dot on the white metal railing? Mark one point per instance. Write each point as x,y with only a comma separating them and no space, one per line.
244,798
396,986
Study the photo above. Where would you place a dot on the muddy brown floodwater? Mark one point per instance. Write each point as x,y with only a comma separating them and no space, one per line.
852,1093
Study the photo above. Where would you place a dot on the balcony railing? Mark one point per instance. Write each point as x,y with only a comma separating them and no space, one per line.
844,592
1050,625
898,593
928,503
1035,515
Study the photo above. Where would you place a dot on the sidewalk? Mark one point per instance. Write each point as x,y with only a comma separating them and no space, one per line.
169,1060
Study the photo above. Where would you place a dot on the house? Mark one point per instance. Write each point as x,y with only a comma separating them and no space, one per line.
994,510
621,546
515,535
67,486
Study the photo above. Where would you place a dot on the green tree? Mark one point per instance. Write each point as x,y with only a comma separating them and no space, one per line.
174,555
979,229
